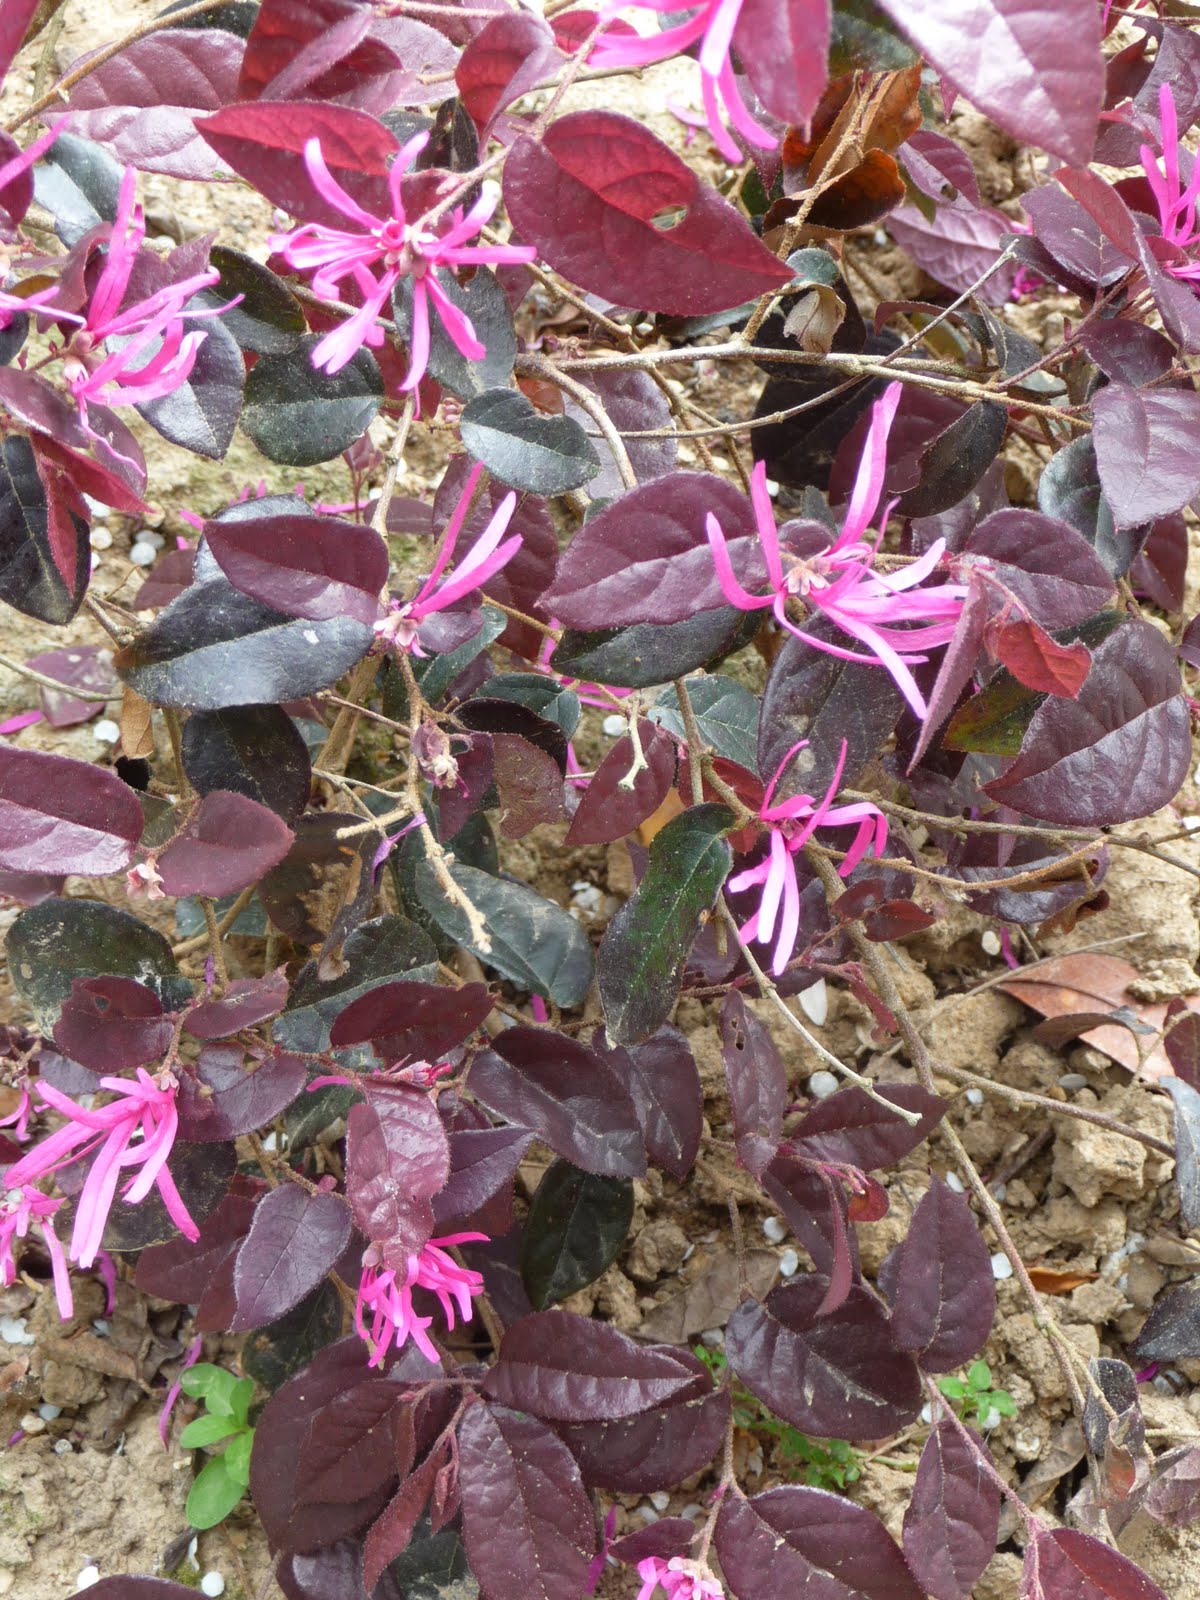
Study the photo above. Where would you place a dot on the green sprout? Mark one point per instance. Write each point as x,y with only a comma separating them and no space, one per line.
975,1400
221,1482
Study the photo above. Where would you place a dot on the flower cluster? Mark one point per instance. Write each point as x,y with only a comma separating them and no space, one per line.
1175,200
136,1129
791,823
381,251
385,1315
678,1578
878,609
713,26
21,1205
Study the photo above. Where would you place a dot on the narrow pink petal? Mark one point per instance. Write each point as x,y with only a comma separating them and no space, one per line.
58,1268
730,587
768,908
418,349
118,261
331,190
738,113
452,530
868,484
764,517
716,126
456,322
789,926
799,745
96,1201
720,22
463,582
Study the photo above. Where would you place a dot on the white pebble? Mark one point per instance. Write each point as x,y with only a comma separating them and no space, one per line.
991,942
775,1230
822,1084
614,726
212,1584
143,554
991,1419
61,1447
89,1576
789,1263
647,1513
814,1002
714,1338
106,731
660,1500
1070,1081
49,1413
14,1331
100,539
1000,1192
975,1096
1190,823
953,1181
1001,1266
927,1411
32,1423
148,536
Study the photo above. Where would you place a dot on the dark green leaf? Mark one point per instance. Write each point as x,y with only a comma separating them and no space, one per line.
268,319
486,305
727,716
434,1567
253,750
299,416
650,653
534,942
202,413
545,455
378,952
78,183
272,1354
251,921
44,557
576,1226
863,39
643,953
539,693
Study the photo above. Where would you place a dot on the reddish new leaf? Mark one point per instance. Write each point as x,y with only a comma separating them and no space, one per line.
1064,1564
957,247
1037,71
1117,752
509,55
600,197
612,807
951,1522
1182,1045
227,844
59,815
110,1023
294,1240
304,566
397,1159
838,1375
567,1368
757,1083
944,1297
392,1532
528,1524
1146,450
1160,567
225,1099
141,103
800,1541
530,784
244,1003
405,1021
1037,660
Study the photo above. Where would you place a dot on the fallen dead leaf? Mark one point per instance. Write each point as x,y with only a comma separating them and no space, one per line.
709,1300
1050,1280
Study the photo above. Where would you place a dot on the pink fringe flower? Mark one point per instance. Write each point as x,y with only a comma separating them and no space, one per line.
386,1297
137,1129
713,26
1176,201
484,559
21,1205
679,1579
840,583
382,252
792,823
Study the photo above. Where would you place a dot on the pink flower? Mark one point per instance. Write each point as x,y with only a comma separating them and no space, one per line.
100,357
679,1579
713,25
792,823
484,559
137,1129
841,583
382,252
386,1296
20,1206
1176,202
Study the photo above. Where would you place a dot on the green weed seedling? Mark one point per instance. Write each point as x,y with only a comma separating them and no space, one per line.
975,1400
221,1482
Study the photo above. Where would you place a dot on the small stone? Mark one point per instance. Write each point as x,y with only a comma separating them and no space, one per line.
614,726
106,731
775,1230
1001,1266
814,1002
32,1423
822,1084
975,1096
990,1420
154,540
1027,1447
660,1500
61,1447
100,539
927,1412
49,1413
14,1331
953,1181
1070,1081
991,942
789,1263
212,1584
713,1338
87,1577
143,554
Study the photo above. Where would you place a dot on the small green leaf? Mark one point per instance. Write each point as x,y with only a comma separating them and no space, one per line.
208,1430
979,1375
237,1457
201,1380
213,1495
576,1227
726,714
953,1388
643,953
240,1398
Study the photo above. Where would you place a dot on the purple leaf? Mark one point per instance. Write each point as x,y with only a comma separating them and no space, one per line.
1187,1148
635,404
294,1240
478,1192
664,1084
1146,450
610,809
836,1376
1045,563
1160,568
656,1449
1173,1497
397,1158
530,784
60,815
304,566
140,104
783,46
1182,1044
1036,72
945,1295
1128,352
588,195
225,1101
348,1449
957,247
15,18
937,165
406,1021
227,844
84,667
245,1003
567,1368
1117,752
851,1129
111,1023
392,1533
1076,240
1172,1330
816,1209
508,57
646,558
528,1524
794,1541
1064,1564
666,1538
951,1522
567,1095
757,1084
182,1270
